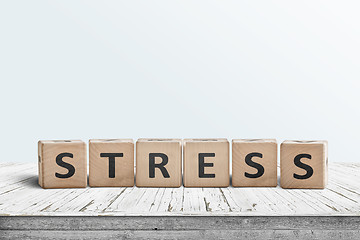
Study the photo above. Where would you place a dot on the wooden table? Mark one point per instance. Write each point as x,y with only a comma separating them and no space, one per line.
28,211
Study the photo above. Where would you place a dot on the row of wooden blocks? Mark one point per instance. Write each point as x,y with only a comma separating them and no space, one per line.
63,164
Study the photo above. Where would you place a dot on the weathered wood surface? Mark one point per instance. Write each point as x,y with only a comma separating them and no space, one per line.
180,227
30,212
20,195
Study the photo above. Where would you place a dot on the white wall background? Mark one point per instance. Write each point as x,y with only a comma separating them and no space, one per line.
234,69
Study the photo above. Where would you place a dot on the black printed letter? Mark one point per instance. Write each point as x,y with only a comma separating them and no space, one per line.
111,157
153,165
298,163
258,166
68,166
202,165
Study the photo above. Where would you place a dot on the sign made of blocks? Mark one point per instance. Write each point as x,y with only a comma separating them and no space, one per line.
111,163
206,163
254,163
303,164
62,164
158,163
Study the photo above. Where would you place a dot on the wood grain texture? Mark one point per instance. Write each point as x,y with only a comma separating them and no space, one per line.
123,169
20,195
316,158
215,171
168,148
187,234
182,227
264,153
48,152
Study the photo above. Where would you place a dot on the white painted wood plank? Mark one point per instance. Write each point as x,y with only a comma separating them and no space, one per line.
16,172
228,195
172,201
215,200
21,195
193,200
115,204
100,201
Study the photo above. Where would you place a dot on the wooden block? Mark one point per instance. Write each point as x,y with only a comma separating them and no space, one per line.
62,164
158,163
206,163
303,164
254,163
111,163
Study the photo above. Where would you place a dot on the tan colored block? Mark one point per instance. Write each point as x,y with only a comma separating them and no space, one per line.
111,163
206,163
158,163
254,163
62,164
303,164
